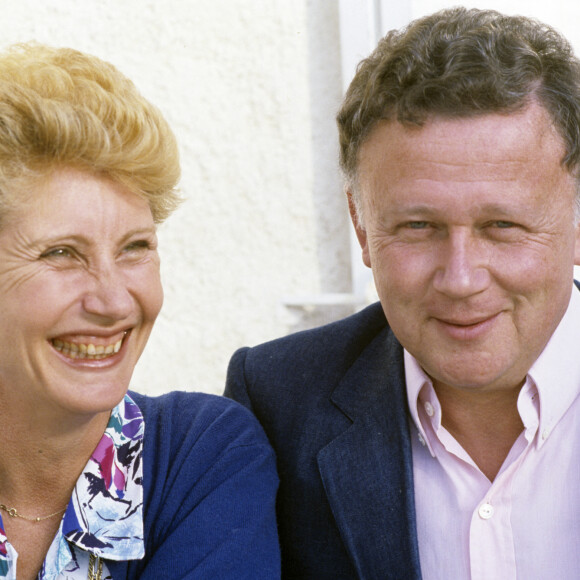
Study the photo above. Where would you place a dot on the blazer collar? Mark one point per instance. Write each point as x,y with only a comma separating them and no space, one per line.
367,471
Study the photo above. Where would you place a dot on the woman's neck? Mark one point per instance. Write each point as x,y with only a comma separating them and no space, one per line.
41,458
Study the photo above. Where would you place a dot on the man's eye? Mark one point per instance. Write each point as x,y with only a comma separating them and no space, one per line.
417,225
504,224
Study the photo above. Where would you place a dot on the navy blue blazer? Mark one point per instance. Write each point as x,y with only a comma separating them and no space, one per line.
332,401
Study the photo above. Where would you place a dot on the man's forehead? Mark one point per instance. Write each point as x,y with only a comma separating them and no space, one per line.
524,132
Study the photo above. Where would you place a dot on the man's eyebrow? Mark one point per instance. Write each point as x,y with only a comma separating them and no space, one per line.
427,209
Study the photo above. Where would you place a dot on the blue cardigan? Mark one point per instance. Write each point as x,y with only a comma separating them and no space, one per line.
209,492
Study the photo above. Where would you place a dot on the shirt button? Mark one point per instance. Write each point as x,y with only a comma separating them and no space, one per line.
429,409
485,511
545,434
421,439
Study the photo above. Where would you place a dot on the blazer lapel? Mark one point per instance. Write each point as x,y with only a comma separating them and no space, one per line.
367,470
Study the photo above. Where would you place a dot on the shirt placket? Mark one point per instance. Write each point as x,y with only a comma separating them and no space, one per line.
491,534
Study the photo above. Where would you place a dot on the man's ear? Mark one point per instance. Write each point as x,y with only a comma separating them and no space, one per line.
577,246
359,228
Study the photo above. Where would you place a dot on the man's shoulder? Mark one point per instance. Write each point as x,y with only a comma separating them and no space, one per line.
348,335
296,363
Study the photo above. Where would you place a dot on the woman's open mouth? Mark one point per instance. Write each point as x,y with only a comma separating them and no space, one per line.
88,350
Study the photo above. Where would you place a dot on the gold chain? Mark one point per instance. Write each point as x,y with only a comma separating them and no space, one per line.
95,563
95,573
14,514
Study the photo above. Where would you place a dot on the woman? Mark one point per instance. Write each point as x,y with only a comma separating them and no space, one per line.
96,482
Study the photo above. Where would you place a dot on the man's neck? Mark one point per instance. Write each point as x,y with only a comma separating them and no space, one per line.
485,424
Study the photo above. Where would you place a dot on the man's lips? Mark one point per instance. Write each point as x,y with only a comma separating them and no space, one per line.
467,328
470,322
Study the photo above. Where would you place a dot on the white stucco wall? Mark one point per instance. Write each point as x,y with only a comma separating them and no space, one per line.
251,88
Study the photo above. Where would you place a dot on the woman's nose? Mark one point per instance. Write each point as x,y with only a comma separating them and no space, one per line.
108,297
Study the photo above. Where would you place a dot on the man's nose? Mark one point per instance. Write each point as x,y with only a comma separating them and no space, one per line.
462,267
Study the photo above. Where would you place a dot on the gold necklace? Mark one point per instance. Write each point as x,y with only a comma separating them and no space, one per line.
14,514
95,567
95,563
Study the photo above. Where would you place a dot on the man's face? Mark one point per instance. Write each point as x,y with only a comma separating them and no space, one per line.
468,226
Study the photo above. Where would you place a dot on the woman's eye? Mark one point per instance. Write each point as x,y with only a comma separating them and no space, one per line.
57,253
137,246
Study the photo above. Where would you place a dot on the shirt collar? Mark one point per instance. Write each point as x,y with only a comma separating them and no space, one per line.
556,372
419,384
105,514
555,375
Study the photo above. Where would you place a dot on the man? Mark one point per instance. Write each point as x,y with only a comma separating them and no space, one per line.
438,434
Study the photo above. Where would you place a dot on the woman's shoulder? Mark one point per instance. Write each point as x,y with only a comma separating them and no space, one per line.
209,482
174,401
194,416
194,442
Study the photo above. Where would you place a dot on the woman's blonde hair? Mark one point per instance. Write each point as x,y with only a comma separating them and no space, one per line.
63,108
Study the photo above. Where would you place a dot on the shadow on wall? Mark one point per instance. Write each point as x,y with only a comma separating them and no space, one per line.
330,208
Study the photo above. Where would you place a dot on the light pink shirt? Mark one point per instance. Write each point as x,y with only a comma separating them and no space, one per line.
526,524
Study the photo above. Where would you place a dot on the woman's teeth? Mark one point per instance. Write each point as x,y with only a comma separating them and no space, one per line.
87,351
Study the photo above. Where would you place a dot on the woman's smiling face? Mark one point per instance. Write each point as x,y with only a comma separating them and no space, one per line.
79,292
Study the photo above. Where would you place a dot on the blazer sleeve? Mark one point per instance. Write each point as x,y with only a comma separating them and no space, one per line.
236,386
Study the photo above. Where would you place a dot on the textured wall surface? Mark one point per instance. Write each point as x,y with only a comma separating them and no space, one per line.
250,88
